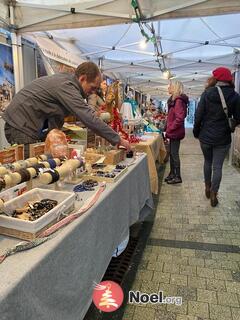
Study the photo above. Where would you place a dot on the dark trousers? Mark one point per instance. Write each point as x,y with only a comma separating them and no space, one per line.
213,162
174,157
14,135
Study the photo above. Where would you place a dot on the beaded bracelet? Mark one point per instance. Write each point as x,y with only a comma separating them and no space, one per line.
55,175
38,166
52,163
2,183
25,175
36,209
79,188
45,157
9,166
49,156
106,174
129,154
87,185
120,166
22,164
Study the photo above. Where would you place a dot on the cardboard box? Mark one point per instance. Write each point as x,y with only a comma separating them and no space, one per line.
114,156
12,154
36,149
91,157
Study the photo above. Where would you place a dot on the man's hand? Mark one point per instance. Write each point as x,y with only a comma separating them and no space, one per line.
125,144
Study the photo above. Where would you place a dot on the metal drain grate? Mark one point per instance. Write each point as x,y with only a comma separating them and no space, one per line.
120,265
119,270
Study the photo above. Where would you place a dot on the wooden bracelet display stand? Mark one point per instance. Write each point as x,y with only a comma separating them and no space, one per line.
14,176
65,170
3,171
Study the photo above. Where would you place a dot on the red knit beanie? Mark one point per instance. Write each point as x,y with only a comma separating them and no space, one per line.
222,74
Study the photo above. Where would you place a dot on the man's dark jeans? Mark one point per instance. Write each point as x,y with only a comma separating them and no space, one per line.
213,161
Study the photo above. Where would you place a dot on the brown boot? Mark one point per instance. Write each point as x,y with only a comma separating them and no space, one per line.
207,189
213,198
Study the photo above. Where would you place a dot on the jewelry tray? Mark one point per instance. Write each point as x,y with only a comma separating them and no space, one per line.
93,176
28,230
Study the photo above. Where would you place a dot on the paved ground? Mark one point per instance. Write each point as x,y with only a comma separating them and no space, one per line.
192,248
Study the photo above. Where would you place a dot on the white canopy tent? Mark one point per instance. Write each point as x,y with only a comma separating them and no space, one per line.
190,47
43,15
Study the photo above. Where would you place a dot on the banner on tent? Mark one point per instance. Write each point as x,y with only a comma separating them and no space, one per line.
7,84
52,51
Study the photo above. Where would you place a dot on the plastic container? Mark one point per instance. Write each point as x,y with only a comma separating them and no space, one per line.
65,205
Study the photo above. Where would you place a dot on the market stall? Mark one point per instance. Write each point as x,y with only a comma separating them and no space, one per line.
55,280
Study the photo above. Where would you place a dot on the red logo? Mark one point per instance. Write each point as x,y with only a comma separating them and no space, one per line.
108,296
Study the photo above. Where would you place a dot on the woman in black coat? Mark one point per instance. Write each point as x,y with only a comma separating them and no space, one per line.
212,129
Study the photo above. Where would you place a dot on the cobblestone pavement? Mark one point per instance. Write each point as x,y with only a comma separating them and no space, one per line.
193,248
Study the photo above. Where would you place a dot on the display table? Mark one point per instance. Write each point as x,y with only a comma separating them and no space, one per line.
155,149
56,280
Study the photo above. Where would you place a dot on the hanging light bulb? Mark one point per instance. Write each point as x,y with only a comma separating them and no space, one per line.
167,74
143,43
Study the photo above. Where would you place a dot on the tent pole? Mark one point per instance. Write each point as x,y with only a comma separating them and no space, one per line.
20,61
36,62
14,52
17,54
231,151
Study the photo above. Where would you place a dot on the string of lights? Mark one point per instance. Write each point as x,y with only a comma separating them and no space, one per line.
151,37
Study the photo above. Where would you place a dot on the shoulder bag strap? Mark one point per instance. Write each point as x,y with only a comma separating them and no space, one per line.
224,105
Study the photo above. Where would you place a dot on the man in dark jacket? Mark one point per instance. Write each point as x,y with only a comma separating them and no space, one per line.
212,129
43,104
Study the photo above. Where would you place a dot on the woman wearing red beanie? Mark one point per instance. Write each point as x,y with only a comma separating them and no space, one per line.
212,129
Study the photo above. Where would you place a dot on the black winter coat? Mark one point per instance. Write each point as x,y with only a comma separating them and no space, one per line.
211,124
